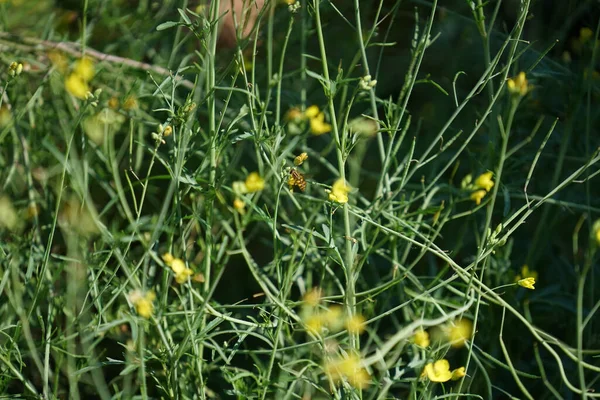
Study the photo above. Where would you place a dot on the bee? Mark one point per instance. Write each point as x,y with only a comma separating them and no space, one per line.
296,179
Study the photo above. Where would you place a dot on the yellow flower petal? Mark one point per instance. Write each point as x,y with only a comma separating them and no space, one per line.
458,373
477,195
177,265
459,332
312,112
421,338
438,371
484,181
527,283
339,192
318,126
143,302
183,275
77,86
254,183
356,324
84,67
518,85
348,368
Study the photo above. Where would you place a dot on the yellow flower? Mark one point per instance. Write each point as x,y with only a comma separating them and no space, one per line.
518,85
484,181
300,159
254,183
318,126
315,323
182,273
459,332
527,283
458,373
348,368
77,86
312,112
339,192
239,205
312,297
84,68
526,273
142,302
421,338
477,195
168,258
356,324
438,371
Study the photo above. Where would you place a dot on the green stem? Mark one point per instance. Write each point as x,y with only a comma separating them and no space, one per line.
349,256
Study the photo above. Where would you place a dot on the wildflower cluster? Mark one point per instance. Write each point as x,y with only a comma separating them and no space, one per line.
253,183
482,185
518,86
332,318
143,302
348,368
77,83
315,117
182,273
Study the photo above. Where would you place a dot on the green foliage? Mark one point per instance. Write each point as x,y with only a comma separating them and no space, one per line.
159,240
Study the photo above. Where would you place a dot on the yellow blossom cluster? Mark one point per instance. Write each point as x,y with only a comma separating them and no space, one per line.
483,184
348,368
143,302
439,371
253,183
313,115
77,81
177,265
299,160
518,86
339,191
332,318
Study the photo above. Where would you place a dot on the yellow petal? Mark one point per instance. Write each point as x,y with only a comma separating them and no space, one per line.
254,182
84,67
76,86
